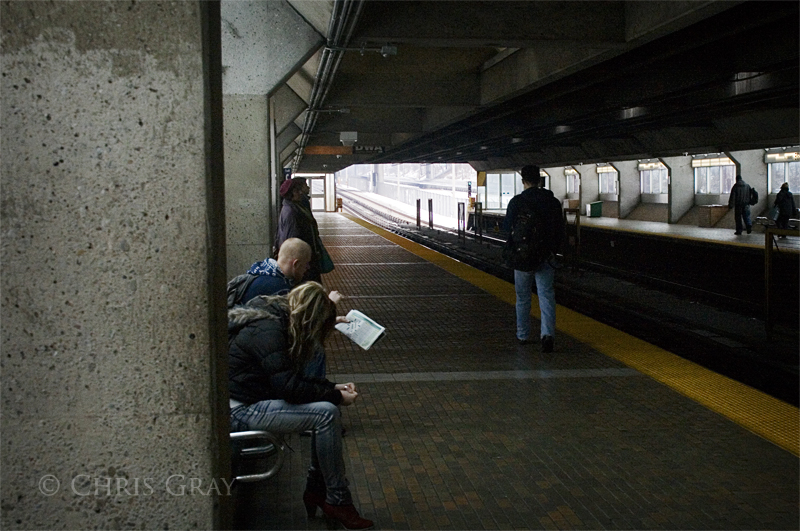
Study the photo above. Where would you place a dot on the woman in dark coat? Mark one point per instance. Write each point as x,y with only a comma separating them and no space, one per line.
270,340
297,221
786,207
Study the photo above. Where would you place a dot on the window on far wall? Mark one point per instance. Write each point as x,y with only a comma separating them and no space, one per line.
654,178
713,175
573,181
784,172
608,177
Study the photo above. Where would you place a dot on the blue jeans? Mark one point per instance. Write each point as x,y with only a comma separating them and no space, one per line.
544,277
327,464
742,215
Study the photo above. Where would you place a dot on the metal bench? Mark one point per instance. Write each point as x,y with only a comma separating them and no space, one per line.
256,446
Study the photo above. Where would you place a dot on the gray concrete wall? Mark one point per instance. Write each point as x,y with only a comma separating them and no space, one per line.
107,350
590,186
681,189
753,170
558,184
247,173
263,43
629,186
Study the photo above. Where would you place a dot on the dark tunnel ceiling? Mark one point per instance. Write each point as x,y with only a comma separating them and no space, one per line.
726,82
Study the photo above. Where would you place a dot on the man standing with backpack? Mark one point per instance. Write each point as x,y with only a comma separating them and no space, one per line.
535,223
742,196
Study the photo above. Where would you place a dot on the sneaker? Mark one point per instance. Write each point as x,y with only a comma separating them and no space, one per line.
738,233
547,343
524,341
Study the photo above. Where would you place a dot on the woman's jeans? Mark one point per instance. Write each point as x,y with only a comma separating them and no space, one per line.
544,277
324,419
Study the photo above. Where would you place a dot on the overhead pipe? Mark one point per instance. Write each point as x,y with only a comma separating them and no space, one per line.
343,21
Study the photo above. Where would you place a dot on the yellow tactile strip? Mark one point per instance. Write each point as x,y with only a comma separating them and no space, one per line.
768,417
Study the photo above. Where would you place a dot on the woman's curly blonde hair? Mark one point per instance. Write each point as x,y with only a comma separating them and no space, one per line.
312,316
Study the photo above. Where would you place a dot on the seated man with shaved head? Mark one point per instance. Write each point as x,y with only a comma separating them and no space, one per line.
278,277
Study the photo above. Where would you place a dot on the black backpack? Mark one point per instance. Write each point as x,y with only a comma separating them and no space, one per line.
237,286
753,196
526,247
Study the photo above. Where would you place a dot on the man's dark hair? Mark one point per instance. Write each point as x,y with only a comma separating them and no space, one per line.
530,174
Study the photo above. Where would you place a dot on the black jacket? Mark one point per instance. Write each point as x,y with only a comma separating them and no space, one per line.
297,221
545,202
259,366
785,203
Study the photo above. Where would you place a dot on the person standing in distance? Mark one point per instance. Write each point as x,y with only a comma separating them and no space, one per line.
535,223
297,221
786,208
739,201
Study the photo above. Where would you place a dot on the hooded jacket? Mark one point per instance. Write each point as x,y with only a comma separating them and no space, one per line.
269,280
259,364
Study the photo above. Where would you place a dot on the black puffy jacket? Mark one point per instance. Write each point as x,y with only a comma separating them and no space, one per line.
259,365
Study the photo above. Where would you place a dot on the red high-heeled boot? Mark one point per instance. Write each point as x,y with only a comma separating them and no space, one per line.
312,500
347,515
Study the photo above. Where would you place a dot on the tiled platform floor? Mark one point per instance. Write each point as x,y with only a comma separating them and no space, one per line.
458,427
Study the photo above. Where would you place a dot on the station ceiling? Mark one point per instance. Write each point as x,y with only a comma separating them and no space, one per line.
500,84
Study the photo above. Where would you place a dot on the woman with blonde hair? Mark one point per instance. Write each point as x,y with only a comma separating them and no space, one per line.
270,340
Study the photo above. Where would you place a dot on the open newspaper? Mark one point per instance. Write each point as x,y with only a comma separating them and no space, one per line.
361,330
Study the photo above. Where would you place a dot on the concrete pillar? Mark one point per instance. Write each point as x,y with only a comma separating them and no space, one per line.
751,166
263,43
112,297
558,184
247,181
629,186
590,184
681,186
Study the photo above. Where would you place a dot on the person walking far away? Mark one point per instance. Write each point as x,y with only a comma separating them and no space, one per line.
740,200
536,227
786,207
269,342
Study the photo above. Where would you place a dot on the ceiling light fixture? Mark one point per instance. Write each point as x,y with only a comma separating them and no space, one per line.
348,138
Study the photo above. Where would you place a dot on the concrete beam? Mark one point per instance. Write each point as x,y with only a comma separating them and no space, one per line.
405,90
289,134
316,13
517,24
302,81
647,20
288,106
263,44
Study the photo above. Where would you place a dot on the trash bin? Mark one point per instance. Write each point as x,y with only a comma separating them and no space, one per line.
594,210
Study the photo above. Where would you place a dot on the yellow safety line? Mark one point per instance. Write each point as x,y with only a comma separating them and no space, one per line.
768,417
